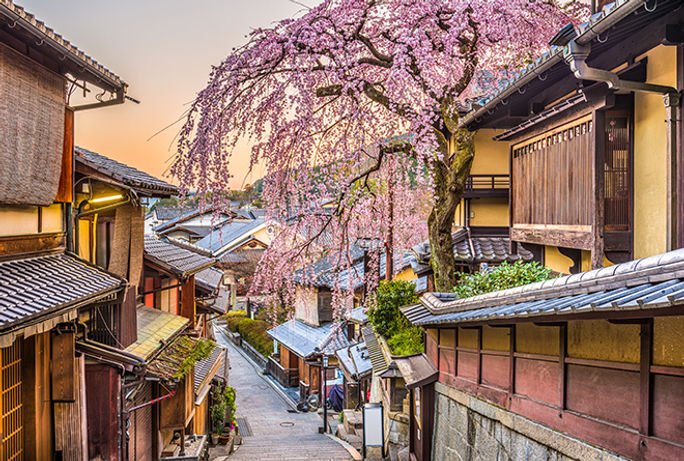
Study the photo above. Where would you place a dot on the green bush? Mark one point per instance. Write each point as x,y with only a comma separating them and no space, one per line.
235,314
500,278
252,331
388,321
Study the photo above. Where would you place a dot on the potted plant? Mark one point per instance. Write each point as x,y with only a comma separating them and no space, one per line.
228,397
218,413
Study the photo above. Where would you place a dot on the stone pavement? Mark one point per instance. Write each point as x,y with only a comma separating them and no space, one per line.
276,433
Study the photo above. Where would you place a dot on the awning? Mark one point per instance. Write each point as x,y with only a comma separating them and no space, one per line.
38,293
207,369
354,362
306,340
377,358
155,329
417,370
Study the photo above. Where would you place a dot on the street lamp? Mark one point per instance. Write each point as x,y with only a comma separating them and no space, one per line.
324,400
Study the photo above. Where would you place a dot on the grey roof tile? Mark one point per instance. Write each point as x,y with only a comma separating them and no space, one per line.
127,175
228,232
33,286
377,358
203,367
178,260
306,340
650,283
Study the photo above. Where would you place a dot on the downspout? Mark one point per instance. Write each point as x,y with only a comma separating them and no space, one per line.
576,55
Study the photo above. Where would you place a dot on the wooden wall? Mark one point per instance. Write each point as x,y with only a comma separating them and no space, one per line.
552,185
616,385
103,404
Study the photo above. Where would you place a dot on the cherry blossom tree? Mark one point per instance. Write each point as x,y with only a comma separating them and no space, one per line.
353,107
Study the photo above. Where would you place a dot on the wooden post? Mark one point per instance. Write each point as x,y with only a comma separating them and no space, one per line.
562,352
598,188
479,355
188,300
645,377
511,364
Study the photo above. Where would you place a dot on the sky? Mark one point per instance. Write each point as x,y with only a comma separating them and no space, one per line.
164,50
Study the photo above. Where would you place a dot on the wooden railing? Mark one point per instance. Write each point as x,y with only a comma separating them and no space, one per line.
288,377
487,185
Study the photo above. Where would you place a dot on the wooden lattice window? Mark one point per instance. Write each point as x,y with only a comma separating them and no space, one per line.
12,428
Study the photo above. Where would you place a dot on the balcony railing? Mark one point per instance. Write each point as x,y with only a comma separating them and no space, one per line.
287,377
487,185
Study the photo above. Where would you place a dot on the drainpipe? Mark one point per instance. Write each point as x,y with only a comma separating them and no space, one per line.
576,55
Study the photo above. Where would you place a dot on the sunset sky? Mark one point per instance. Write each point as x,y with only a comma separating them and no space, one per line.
163,49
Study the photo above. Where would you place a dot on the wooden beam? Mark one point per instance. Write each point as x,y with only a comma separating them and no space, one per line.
479,355
33,243
553,236
598,154
511,364
188,300
66,177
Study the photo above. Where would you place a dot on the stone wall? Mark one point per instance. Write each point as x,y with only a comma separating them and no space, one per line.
470,429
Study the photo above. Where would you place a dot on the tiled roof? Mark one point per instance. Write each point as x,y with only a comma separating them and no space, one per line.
598,24
358,315
46,38
227,233
209,278
306,340
473,250
417,370
33,286
325,271
172,257
355,361
155,328
377,358
127,175
206,369
645,284
167,213
212,220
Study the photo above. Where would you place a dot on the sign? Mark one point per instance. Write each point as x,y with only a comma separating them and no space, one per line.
373,430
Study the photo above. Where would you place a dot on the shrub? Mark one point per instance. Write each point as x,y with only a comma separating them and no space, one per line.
501,277
252,331
385,315
235,314
388,321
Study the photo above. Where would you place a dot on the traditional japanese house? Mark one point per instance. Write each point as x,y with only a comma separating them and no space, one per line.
161,214
44,284
592,134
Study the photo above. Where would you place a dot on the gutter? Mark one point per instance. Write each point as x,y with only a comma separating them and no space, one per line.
599,27
576,55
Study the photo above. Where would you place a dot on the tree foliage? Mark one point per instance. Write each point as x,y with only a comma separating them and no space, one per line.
501,277
388,321
357,103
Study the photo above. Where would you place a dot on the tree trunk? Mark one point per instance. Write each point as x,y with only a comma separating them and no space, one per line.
449,176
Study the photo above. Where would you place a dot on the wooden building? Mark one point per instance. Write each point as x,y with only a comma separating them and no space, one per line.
43,410
602,109
592,359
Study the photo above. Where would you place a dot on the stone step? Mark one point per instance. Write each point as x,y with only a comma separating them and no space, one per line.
353,420
352,439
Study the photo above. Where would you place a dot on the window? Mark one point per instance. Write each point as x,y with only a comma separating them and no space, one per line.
103,242
11,424
325,312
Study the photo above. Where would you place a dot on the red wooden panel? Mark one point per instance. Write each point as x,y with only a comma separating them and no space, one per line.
537,379
467,365
102,406
431,349
447,365
149,286
610,395
495,370
668,408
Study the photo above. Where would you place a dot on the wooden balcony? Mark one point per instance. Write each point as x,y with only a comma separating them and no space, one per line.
487,186
287,377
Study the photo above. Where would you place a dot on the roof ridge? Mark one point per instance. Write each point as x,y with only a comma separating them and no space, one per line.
645,270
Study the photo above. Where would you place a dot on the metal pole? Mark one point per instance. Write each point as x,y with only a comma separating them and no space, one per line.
325,399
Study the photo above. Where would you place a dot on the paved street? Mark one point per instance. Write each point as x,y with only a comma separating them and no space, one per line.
276,434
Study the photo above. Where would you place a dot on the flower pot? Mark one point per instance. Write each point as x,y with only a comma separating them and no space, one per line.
224,439
214,438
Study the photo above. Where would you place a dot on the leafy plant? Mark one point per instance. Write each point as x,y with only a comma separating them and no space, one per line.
385,315
252,331
194,354
500,278
223,408
388,321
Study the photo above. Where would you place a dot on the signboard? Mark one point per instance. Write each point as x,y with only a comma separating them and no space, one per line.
373,431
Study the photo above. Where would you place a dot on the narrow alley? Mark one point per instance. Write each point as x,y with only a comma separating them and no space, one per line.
276,434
